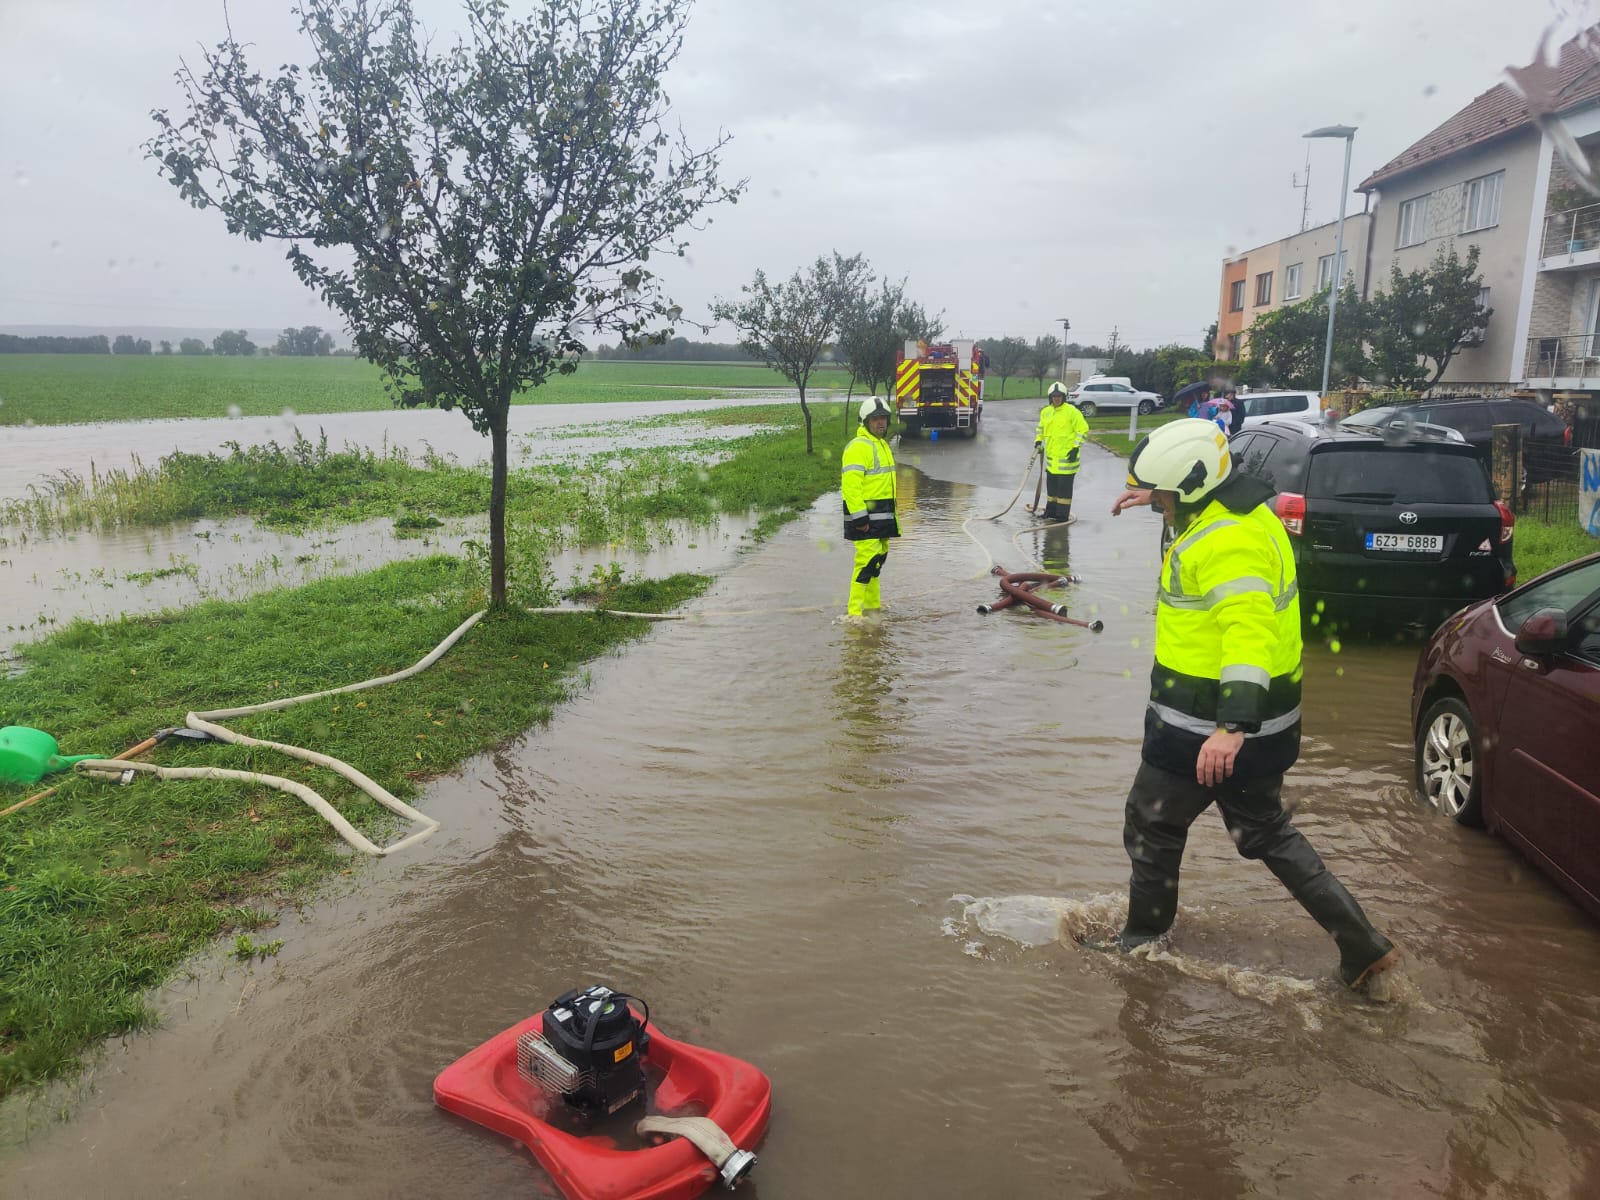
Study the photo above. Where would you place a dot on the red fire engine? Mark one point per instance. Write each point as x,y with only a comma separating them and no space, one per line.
940,386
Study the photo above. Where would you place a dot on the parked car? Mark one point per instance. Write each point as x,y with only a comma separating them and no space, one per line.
1112,394
1389,529
1505,716
1547,453
1395,422
1290,405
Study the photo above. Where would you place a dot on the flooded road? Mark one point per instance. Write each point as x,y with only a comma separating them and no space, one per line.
846,854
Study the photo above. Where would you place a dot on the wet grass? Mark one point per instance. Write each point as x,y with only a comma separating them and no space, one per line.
1112,432
65,389
621,495
1544,545
106,891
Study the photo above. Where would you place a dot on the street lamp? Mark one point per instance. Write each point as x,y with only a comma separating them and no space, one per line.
1065,325
1348,133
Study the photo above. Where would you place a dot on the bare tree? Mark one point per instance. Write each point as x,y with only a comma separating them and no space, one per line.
1007,356
790,324
470,212
1043,356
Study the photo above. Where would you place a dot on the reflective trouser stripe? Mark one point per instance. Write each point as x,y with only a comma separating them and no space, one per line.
1205,728
871,554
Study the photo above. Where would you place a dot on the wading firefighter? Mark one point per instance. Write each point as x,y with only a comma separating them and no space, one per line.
866,480
1059,437
1223,721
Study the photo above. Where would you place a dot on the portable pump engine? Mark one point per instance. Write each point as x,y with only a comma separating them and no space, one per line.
589,1050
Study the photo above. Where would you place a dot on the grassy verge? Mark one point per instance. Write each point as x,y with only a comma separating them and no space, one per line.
1543,545
105,891
65,389
1112,432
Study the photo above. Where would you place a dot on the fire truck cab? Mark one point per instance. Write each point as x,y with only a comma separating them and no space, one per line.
940,386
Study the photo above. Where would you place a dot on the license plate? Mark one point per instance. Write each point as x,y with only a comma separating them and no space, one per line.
1415,543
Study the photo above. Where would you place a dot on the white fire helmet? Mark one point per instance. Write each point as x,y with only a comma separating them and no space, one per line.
874,406
1057,389
1189,457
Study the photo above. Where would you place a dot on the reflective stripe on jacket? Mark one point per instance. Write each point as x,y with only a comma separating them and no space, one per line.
866,481
1062,431
1227,640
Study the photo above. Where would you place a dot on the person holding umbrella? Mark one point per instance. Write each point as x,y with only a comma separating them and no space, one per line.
1192,398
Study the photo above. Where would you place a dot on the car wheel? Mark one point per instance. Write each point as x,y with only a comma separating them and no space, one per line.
1086,407
1146,408
1449,771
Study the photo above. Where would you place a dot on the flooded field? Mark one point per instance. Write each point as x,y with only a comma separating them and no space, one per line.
855,855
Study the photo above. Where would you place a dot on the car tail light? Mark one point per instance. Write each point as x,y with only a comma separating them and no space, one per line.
1291,510
1508,522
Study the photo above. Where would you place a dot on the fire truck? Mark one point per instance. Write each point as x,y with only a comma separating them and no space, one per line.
940,386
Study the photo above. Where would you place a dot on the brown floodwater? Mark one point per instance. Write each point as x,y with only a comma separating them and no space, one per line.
849,855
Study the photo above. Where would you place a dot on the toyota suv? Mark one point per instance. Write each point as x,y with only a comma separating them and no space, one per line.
1384,528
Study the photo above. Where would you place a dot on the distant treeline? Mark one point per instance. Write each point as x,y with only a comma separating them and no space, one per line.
676,350
10,343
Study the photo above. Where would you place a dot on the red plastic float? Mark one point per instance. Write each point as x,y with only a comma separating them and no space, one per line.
484,1086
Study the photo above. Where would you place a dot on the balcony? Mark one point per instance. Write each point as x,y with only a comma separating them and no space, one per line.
1570,361
1571,239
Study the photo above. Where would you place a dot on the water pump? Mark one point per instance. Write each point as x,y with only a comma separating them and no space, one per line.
589,1050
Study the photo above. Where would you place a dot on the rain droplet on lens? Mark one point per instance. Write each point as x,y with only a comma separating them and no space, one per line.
287,414
1430,90
235,412
22,179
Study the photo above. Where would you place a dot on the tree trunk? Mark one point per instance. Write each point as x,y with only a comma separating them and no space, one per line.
807,413
497,509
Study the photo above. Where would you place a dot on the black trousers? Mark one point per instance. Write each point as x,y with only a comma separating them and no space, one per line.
1161,807
1059,490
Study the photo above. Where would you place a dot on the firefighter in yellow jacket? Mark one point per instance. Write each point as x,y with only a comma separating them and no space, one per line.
866,481
1060,434
1223,721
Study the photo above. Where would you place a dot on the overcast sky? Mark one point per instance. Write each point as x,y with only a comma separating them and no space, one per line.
1018,160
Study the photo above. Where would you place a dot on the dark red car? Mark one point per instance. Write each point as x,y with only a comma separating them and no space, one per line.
1505,712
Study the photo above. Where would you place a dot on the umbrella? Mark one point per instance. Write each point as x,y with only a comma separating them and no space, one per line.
1185,396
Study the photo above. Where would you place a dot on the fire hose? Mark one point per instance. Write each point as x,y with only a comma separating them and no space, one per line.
1016,587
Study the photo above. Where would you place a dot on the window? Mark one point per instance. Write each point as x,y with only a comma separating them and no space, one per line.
1411,475
1263,288
1236,296
1414,221
1476,336
1566,592
1271,406
1480,202
1325,268
1233,344
1291,282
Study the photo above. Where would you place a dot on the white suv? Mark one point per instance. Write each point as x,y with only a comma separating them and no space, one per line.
1107,392
1279,406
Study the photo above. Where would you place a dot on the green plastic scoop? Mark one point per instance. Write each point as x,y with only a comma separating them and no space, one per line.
28,755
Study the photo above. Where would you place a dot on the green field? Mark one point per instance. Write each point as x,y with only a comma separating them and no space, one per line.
72,389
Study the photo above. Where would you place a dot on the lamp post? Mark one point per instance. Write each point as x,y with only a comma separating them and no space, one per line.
1348,133
1065,325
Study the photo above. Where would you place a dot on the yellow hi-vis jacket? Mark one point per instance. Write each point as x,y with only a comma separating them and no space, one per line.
1227,638
867,483
1062,431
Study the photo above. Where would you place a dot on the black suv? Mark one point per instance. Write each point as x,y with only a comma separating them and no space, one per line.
1383,527
1546,451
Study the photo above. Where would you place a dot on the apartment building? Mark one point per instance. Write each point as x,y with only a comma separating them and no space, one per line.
1285,272
1495,175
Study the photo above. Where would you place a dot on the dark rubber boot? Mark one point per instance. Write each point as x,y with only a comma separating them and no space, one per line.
1363,951
1152,907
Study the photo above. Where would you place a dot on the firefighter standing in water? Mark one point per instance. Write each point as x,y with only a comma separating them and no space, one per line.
1060,434
1223,721
866,481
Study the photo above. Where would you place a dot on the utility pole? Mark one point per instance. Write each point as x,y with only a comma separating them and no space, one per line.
1113,345
1065,326
1303,185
